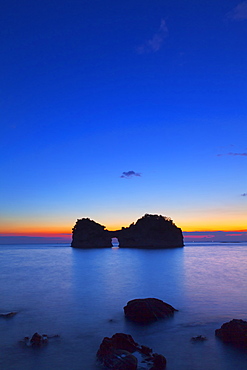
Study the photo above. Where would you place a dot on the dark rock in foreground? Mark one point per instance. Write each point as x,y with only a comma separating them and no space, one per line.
146,310
118,353
198,338
37,340
234,331
8,315
150,231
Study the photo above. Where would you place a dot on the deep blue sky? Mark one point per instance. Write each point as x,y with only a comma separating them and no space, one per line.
92,89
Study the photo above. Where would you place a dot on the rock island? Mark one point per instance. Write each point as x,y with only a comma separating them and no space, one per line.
150,231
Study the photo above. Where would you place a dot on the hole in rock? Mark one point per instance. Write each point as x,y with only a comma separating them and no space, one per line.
115,242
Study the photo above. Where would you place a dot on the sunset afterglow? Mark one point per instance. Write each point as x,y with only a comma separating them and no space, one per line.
114,111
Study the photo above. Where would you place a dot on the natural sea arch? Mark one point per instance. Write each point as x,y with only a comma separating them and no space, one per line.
150,231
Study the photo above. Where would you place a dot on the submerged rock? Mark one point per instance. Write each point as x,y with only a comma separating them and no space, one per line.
146,310
234,331
159,362
117,341
198,338
121,352
37,340
121,360
8,315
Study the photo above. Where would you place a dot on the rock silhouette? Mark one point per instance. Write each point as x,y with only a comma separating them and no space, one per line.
146,310
150,231
234,331
8,315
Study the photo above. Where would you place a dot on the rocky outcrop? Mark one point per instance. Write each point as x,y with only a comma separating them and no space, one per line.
234,331
8,315
198,338
150,231
146,310
121,352
89,234
37,340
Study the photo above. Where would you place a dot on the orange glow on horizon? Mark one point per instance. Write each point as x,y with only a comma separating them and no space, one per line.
214,225
47,231
189,229
33,228
212,230
197,227
38,234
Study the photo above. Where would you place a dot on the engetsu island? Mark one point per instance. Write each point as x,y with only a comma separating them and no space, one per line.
150,231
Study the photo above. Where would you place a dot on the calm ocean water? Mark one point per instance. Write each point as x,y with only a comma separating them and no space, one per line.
80,295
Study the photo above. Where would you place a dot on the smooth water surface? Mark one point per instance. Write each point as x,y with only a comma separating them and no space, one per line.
80,295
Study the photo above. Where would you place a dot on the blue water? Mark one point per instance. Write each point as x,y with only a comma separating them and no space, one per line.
80,295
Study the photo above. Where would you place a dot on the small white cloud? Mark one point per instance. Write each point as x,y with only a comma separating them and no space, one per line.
155,43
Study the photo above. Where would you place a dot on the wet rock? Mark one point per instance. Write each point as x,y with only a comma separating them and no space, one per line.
115,352
234,331
145,350
38,340
121,360
198,338
159,362
147,310
121,352
117,341
8,315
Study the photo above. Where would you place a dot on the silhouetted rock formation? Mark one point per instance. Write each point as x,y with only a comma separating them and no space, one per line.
147,310
120,351
150,231
8,315
234,331
89,234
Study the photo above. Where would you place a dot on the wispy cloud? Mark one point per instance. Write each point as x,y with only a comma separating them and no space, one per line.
129,174
239,13
244,195
241,154
156,41
233,154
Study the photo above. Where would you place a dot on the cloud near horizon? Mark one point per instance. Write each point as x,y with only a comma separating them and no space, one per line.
155,43
129,174
233,154
241,154
239,13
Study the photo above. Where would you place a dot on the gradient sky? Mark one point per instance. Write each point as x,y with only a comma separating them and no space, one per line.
110,110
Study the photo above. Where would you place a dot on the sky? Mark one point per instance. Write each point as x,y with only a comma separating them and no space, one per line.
111,110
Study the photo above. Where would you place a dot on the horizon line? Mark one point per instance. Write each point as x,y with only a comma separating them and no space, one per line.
66,235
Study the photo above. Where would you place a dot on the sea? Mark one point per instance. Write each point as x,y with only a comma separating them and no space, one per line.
78,295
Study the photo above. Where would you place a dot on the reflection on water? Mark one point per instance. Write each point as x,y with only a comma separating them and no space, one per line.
80,295
218,278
